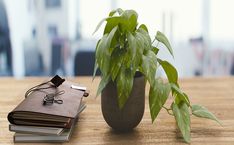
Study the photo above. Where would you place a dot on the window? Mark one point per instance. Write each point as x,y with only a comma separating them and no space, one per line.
53,3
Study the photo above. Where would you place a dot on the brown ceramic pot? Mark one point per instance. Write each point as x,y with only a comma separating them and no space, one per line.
130,115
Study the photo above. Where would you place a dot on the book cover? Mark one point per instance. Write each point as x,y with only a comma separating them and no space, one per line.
31,110
41,130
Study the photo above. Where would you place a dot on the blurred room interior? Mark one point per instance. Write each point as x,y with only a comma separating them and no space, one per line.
47,37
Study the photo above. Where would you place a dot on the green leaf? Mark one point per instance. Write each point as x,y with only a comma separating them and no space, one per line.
127,14
127,61
99,25
187,101
117,58
95,69
202,112
149,66
114,42
143,26
119,10
163,39
130,17
145,38
140,41
103,53
157,97
95,65
112,13
139,51
132,45
132,23
113,22
104,81
124,85
111,36
127,21
170,71
179,95
134,52
181,113
155,50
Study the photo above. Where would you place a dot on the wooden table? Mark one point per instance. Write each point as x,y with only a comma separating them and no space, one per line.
217,94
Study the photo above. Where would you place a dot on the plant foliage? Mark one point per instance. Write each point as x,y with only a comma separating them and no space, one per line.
125,48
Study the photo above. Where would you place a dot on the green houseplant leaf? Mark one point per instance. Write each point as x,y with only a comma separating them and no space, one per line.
104,81
117,58
157,97
179,95
131,16
181,113
102,51
95,64
124,86
155,50
149,66
126,48
112,22
201,111
144,37
162,38
134,53
102,55
143,26
132,50
99,25
119,11
170,71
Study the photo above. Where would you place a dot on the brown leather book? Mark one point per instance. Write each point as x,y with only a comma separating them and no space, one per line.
33,112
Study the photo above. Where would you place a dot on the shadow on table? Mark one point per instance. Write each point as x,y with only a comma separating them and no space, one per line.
124,137
208,132
199,132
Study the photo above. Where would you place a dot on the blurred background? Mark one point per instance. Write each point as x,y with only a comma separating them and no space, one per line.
47,37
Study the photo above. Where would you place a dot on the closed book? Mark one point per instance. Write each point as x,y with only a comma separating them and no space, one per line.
35,130
32,112
63,137
41,130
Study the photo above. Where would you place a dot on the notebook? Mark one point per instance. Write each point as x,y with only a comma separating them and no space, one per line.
63,137
32,112
35,130
40,130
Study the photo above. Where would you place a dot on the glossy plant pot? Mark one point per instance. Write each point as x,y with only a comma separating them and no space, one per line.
130,115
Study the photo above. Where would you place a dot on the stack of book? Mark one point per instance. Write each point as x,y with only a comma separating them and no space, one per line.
33,120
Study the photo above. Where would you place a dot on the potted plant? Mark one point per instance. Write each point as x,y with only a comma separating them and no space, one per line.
127,59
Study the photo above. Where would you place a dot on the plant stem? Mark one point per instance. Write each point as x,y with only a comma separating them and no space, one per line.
153,40
168,110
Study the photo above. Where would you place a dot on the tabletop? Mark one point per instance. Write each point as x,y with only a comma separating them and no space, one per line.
216,94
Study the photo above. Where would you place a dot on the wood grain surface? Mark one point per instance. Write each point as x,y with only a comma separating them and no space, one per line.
217,94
